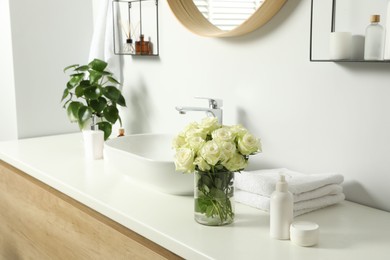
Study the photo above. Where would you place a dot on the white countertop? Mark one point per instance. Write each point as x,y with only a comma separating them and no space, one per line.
347,230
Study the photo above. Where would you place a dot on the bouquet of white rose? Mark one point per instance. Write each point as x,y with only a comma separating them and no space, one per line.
214,152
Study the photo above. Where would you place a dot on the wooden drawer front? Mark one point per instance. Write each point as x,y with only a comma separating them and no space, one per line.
38,222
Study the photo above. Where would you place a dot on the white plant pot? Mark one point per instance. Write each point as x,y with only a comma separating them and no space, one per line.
93,144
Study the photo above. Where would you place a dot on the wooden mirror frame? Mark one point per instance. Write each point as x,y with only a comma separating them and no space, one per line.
188,14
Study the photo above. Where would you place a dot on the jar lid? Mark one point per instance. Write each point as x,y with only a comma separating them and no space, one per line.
304,233
375,18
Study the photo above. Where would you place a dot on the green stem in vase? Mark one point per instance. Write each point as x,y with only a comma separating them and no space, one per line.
214,195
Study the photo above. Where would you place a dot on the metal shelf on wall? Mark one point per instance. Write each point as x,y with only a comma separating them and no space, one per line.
311,30
332,29
135,27
352,61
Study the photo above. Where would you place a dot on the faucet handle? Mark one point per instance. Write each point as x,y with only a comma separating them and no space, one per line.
214,103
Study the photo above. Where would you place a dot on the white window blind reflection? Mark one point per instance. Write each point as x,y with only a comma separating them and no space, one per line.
227,14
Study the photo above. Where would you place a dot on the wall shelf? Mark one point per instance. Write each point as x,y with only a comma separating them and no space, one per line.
341,16
135,27
353,61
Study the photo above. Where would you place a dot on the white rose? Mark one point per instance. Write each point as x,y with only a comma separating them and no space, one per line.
248,144
238,130
191,130
236,163
191,125
195,132
202,164
178,142
184,159
222,135
195,143
209,124
210,152
228,149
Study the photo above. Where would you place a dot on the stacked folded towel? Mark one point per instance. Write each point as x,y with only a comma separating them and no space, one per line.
310,192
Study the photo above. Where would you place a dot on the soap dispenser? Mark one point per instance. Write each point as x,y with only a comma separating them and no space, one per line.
281,210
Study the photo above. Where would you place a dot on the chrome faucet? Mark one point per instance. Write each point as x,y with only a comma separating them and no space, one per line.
213,110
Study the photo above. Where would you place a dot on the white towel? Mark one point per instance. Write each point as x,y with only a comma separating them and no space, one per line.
102,44
263,182
331,189
301,207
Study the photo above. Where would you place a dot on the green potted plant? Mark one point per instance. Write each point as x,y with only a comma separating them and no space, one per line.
91,96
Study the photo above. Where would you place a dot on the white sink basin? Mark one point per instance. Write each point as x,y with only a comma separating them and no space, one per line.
148,159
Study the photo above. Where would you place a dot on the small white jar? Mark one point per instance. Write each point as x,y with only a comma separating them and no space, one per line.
304,233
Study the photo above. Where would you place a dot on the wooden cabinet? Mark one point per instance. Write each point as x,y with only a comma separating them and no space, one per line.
39,222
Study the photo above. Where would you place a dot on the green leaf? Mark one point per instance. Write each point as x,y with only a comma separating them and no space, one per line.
106,73
121,101
85,83
92,92
112,80
94,76
112,93
66,102
71,66
97,65
81,87
75,79
73,109
84,114
98,104
111,113
210,211
219,183
207,180
219,168
65,94
217,193
82,68
106,128
79,91
201,204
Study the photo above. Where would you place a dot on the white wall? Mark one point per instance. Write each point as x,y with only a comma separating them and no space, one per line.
8,126
47,36
312,117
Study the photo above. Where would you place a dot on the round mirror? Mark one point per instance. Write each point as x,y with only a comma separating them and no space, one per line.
222,18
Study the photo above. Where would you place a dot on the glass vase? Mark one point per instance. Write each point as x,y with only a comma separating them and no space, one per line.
214,198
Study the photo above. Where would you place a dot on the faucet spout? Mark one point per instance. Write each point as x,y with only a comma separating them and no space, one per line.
187,109
212,112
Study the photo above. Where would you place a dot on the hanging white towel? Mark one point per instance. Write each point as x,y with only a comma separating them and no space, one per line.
301,207
102,45
263,182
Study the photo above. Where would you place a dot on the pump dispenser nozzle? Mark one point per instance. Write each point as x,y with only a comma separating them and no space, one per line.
282,185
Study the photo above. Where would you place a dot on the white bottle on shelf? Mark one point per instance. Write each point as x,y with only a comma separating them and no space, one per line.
281,210
387,34
374,42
